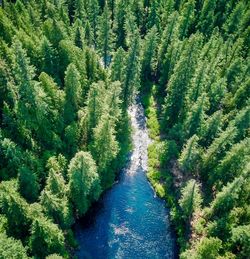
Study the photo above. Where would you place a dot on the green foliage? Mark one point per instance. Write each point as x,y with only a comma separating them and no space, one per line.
105,36
190,200
240,240
131,72
11,248
46,238
16,210
68,72
105,148
72,93
206,248
28,183
190,154
84,183
149,54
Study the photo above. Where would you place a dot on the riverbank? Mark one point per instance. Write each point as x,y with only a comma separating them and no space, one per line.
129,221
163,172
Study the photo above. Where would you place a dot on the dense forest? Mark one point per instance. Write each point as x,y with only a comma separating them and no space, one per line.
69,70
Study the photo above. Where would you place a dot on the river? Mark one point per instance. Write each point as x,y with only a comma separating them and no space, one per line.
129,221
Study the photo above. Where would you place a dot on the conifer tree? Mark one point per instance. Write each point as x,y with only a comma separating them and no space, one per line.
132,68
117,65
104,149
95,105
49,58
54,196
15,209
186,18
190,200
177,87
72,93
79,34
80,10
190,154
218,147
234,21
84,183
165,39
206,18
153,15
93,10
212,128
28,184
148,60
195,121
12,248
105,36
46,238
88,34
119,21
233,164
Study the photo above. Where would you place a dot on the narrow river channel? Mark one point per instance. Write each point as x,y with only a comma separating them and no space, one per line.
129,221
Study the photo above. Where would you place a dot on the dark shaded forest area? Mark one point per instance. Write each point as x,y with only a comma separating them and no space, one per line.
69,70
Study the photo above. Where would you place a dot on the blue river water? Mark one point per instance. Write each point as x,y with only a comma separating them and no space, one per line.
129,221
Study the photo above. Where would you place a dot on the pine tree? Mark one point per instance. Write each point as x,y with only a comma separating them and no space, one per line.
12,248
153,15
46,238
167,36
55,99
80,10
132,68
212,128
205,248
117,65
149,52
177,87
190,200
190,155
234,21
195,121
233,164
12,157
119,22
218,148
72,93
54,196
95,107
206,18
54,31
57,209
79,34
15,209
93,13
104,149
105,36
49,58
230,196
28,184
113,101
84,184
186,18
240,240
88,35
168,64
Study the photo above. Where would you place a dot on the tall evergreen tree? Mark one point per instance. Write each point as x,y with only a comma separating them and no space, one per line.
84,183
105,148
105,36
72,93
177,87
132,68
149,54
